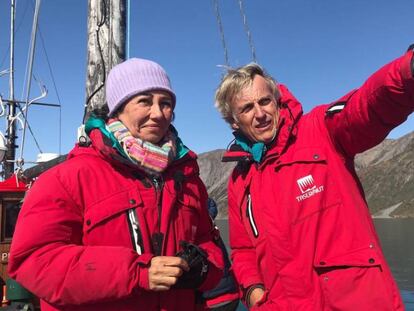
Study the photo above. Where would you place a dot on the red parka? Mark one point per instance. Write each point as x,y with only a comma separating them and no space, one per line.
85,235
299,222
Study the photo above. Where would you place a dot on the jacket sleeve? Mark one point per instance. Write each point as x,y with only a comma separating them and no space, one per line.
383,102
206,240
243,253
47,256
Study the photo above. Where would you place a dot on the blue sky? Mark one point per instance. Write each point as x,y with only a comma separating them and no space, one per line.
320,49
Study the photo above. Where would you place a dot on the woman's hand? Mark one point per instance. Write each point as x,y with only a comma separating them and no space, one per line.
165,271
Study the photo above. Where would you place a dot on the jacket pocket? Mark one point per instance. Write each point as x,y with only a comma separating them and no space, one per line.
307,183
360,257
187,217
355,280
109,209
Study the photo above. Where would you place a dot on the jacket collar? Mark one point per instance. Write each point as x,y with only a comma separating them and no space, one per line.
289,114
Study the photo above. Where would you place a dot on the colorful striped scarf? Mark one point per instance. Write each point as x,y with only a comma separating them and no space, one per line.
151,158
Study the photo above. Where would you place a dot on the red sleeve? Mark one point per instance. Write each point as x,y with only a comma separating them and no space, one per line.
383,102
48,259
243,253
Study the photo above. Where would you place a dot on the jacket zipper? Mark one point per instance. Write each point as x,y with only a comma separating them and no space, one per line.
158,237
158,185
135,231
249,214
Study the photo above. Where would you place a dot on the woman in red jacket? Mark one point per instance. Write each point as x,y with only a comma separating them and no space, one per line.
122,224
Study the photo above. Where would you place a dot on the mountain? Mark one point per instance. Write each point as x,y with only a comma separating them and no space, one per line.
386,173
215,175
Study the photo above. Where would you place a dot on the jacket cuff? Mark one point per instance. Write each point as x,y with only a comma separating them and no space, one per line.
251,281
411,48
412,60
248,291
412,64
144,262
407,65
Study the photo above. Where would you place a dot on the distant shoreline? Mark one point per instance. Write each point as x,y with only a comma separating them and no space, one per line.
386,213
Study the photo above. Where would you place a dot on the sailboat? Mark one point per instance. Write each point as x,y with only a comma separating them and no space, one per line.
16,179
14,185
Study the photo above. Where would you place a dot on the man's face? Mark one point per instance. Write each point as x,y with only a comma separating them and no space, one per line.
255,111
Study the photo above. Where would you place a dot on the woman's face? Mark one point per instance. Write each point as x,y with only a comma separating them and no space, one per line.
148,115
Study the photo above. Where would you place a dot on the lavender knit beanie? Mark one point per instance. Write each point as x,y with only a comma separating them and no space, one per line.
134,76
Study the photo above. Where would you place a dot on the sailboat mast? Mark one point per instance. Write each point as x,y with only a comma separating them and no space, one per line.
11,126
106,47
30,69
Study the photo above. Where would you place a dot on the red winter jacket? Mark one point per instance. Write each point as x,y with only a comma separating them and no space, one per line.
85,222
299,223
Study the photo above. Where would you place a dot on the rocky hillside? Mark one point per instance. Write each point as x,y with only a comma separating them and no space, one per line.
215,175
386,172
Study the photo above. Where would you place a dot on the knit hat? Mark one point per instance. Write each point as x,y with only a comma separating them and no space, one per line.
134,76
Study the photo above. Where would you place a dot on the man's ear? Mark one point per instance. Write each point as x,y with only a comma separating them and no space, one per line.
234,125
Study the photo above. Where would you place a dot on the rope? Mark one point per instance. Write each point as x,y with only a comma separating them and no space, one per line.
246,28
220,25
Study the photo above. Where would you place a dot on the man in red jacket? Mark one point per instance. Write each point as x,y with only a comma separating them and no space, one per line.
301,234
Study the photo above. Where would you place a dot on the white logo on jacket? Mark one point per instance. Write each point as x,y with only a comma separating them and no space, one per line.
307,187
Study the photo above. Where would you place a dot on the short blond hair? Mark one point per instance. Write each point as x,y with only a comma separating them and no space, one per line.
234,82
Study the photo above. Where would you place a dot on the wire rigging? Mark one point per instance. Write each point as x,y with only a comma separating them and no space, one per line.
23,111
220,25
22,114
43,94
17,30
55,88
247,30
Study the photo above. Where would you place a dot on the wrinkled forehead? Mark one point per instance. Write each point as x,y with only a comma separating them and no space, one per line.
239,89
253,90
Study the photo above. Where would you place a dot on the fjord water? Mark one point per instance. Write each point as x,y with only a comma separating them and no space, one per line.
396,237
